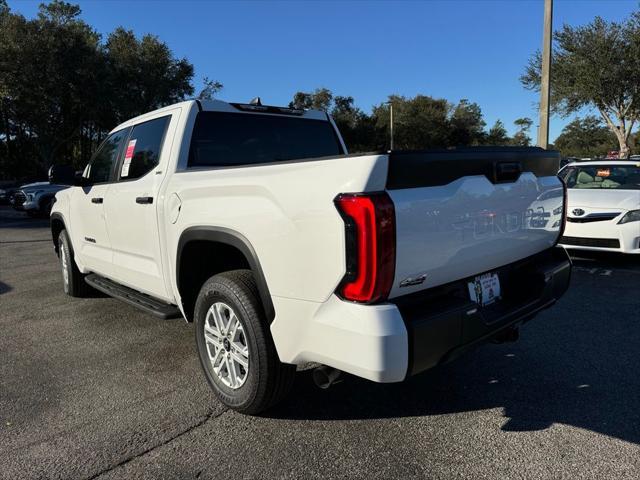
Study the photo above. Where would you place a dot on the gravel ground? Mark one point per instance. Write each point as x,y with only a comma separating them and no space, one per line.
93,388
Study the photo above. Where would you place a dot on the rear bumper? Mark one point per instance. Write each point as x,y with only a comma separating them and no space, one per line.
388,342
454,324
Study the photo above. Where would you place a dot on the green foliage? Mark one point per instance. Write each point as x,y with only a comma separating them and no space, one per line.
596,66
210,90
498,135
586,137
320,99
419,122
467,124
521,138
62,88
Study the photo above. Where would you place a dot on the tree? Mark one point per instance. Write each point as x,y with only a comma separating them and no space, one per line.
467,124
497,135
153,77
419,122
357,128
586,137
210,90
521,138
596,65
62,88
320,99
49,80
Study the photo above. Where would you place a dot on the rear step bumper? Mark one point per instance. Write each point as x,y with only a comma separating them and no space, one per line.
144,302
441,327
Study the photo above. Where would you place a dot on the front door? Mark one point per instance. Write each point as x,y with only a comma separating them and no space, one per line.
89,232
131,208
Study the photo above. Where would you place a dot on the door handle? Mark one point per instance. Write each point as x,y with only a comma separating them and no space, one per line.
144,200
96,200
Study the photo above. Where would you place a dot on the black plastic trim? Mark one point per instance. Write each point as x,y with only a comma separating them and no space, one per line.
431,168
234,239
442,323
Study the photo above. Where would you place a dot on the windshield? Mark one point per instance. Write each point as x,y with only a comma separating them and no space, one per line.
232,139
620,177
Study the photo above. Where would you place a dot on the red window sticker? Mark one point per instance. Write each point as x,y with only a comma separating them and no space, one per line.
128,155
130,149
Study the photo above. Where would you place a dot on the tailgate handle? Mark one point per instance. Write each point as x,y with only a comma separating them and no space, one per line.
506,172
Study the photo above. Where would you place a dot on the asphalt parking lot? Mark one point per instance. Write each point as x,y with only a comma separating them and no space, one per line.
93,388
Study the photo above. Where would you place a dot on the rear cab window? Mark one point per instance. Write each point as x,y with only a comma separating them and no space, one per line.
222,139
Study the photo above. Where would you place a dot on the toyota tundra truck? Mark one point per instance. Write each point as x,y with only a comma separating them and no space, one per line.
254,223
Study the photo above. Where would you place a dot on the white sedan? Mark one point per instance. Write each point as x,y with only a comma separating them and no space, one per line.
603,207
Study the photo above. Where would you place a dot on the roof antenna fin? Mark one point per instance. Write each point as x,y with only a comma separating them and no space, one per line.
256,101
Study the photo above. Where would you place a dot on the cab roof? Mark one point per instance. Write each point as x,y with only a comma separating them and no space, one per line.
221,106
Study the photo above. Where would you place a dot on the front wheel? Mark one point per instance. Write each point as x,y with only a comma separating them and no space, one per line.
73,280
235,346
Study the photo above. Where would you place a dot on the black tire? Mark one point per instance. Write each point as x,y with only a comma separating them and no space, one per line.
267,379
73,281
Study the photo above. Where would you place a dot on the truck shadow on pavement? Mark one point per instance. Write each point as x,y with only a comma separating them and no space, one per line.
571,367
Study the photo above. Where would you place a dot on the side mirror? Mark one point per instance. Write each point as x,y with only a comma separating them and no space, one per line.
80,181
61,175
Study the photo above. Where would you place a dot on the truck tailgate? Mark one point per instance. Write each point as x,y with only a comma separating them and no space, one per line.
464,212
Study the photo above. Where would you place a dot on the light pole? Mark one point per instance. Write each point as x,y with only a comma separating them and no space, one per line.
545,84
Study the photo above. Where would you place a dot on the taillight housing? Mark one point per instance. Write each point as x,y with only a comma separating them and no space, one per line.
370,233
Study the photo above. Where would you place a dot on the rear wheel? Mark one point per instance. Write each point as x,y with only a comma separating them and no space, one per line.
235,346
73,281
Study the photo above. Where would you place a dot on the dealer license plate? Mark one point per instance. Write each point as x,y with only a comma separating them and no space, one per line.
485,289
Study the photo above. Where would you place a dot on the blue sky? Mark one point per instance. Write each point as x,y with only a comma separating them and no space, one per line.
473,49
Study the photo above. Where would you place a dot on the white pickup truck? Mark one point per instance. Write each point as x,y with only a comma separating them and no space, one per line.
254,223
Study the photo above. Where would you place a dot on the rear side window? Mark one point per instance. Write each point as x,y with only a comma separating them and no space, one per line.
229,139
142,152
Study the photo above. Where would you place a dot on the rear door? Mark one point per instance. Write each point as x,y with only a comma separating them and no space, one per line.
463,212
131,207
88,230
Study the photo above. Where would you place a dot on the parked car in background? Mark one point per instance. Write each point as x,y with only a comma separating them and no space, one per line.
35,199
603,207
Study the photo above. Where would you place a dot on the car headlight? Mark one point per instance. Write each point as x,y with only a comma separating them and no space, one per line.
29,196
557,211
630,216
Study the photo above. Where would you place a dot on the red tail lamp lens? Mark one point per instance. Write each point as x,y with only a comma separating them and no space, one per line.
371,246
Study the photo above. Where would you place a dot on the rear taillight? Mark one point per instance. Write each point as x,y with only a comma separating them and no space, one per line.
370,233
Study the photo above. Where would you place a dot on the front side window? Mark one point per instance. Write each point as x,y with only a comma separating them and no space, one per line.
620,177
142,152
230,139
101,165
